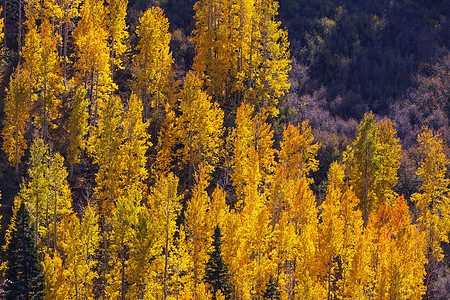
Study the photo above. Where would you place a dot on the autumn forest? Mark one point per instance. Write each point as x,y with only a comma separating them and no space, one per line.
224,149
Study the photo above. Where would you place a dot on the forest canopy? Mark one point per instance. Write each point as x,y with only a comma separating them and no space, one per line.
225,149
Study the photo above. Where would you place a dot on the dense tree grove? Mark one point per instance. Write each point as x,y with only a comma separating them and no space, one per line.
218,157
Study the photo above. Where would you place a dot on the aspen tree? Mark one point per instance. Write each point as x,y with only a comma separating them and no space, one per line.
47,79
17,112
256,61
80,243
105,145
144,255
372,164
341,225
36,192
198,233
59,203
215,26
69,11
165,205
55,285
298,151
116,12
398,262
166,144
153,63
432,200
120,237
78,125
92,65
251,133
252,271
199,127
135,144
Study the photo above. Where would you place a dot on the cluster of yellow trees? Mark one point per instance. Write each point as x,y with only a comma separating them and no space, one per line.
135,240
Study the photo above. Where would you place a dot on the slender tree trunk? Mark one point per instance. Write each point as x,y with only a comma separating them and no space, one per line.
54,217
123,270
36,224
166,254
4,24
48,227
19,44
66,36
44,121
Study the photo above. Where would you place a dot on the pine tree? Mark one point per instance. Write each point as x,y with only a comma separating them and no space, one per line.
216,270
271,291
24,278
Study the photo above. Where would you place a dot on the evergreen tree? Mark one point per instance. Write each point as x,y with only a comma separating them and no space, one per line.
271,291
216,271
24,278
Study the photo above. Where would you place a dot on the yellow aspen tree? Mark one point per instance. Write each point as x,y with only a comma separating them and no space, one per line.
92,65
78,126
36,192
359,279
2,33
164,203
255,62
153,63
253,262
302,212
164,160
198,233
270,64
341,225
118,34
180,282
241,140
55,285
42,65
215,25
79,245
47,79
290,191
17,111
199,128
120,238
59,202
69,11
145,248
105,146
135,144
432,200
251,133
398,260
219,208
298,151
331,230
372,164
390,150
294,221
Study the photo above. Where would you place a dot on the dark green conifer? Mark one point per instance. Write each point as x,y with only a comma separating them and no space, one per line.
216,271
24,277
271,291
